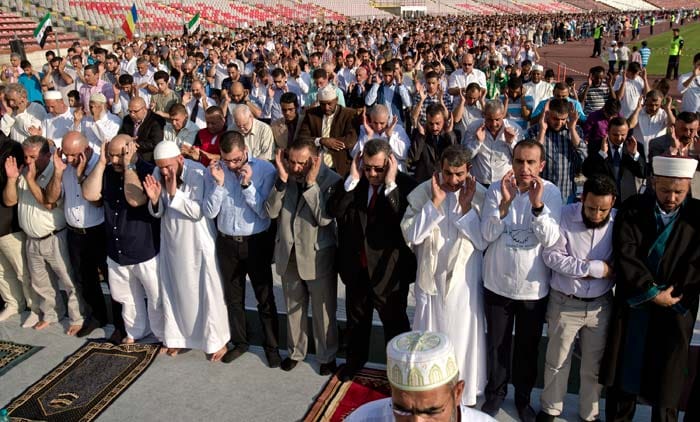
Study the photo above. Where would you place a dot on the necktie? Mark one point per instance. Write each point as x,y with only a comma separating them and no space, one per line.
195,111
326,124
137,125
370,211
616,156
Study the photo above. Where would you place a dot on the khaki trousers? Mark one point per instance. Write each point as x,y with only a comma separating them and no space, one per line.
15,286
323,295
567,317
52,253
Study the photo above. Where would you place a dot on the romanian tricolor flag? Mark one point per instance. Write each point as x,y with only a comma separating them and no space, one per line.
129,25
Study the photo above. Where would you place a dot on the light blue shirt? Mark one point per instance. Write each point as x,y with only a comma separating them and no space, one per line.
238,211
576,103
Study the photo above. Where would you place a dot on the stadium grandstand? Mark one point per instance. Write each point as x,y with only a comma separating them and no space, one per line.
102,19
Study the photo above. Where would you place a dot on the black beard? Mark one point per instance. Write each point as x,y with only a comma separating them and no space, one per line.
590,224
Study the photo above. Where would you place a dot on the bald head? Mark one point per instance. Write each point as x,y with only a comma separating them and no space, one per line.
137,109
76,148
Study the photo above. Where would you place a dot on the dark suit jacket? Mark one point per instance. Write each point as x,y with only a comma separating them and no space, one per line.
389,260
631,172
425,151
149,134
342,129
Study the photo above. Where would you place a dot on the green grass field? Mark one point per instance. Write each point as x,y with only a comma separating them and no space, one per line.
660,43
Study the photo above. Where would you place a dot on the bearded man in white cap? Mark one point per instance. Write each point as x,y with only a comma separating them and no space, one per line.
59,120
656,242
422,370
195,314
539,89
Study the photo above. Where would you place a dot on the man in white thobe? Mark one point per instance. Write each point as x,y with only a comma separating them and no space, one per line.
24,118
59,120
101,126
195,314
442,226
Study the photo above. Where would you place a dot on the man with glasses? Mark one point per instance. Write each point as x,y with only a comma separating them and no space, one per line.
236,189
257,135
442,226
374,261
461,78
305,252
432,395
145,126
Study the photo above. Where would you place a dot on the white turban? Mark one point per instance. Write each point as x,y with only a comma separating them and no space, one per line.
420,361
98,98
678,167
165,150
327,93
53,95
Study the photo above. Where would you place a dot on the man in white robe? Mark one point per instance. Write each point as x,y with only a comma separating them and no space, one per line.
442,226
101,126
59,120
22,116
424,382
195,313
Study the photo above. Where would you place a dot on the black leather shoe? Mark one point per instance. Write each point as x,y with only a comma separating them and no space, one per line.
544,417
327,368
273,359
234,354
492,406
288,364
116,337
348,373
89,326
527,414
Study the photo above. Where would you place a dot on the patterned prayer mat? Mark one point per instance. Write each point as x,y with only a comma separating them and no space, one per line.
12,354
337,399
85,384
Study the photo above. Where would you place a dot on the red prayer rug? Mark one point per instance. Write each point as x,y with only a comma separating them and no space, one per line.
338,399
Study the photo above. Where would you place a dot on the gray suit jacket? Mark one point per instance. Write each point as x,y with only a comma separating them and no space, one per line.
304,224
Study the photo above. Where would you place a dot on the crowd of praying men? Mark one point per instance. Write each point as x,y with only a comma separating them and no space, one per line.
436,155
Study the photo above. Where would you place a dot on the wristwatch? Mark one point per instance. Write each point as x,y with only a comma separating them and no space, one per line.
131,166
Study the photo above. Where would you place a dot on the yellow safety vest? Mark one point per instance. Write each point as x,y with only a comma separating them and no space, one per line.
675,46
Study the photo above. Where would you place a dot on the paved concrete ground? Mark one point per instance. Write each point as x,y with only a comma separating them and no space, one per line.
188,387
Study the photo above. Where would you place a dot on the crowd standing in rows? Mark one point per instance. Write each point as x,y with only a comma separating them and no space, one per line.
438,153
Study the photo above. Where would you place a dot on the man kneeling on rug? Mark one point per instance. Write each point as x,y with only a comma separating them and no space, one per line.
422,369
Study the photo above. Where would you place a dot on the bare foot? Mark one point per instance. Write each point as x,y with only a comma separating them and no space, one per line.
163,350
128,340
41,325
173,351
216,356
73,329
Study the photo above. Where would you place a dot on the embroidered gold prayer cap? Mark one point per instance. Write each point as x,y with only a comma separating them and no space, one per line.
327,93
53,95
165,150
674,166
420,361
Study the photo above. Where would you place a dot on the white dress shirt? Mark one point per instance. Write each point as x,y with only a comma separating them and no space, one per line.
691,94
634,88
459,79
80,213
104,129
200,120
650,127
491,159
399,142
17,126
513,265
